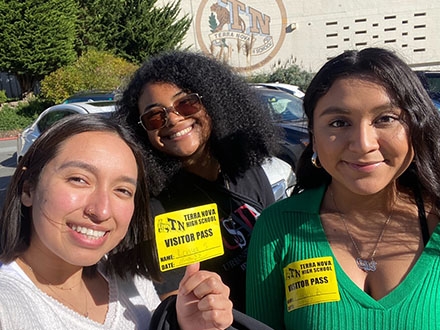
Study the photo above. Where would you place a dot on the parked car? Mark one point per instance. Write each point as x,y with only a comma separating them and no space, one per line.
291,89
287,112
88,96
55,113
431,82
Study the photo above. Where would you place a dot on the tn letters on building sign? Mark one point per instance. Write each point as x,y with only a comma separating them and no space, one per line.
243,34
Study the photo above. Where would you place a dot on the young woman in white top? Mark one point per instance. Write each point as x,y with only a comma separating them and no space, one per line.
75,208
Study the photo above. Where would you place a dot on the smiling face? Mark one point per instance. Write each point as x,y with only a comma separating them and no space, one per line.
183,137
359,136
84,199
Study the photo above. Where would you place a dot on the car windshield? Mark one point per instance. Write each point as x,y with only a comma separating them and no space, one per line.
283,106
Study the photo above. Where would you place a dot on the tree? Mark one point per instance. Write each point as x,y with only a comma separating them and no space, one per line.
37,37
131,29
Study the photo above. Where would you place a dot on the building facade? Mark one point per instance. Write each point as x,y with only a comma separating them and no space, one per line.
260,35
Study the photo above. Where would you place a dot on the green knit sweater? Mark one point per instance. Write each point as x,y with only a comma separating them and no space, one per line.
287,239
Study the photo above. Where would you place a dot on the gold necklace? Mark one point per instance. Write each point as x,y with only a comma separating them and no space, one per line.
365,264
56,295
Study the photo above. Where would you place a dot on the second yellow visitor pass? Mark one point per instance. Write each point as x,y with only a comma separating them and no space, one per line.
187,236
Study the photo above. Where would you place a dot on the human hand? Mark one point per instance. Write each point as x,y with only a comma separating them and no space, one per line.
203,301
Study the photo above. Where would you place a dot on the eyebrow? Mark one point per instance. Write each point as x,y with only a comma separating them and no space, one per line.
336,110
94,169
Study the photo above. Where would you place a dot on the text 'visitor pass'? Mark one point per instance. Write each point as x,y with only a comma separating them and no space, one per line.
311,281
187,236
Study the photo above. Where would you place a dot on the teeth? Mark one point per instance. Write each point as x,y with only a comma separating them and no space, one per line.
90,233
182,132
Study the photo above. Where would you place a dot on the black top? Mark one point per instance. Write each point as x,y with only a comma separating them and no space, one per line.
239,203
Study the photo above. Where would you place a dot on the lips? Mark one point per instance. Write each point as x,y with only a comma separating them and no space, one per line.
364,166
90,233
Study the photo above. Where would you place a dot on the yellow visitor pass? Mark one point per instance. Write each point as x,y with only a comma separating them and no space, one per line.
310,281
187,236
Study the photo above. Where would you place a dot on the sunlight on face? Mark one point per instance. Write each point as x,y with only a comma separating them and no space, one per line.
84,200
182,136
359,136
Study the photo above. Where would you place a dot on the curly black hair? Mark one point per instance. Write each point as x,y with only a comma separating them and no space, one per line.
406,91
242,134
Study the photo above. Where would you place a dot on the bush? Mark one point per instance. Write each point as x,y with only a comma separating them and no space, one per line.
10,120
95,70
17,118
288,74
3,97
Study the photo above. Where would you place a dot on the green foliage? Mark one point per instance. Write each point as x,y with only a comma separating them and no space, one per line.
37,38
131,29
10,120
40,36
288,74
94,70
16,118
3,97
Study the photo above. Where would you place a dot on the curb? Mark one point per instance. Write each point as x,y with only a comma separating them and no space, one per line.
8,138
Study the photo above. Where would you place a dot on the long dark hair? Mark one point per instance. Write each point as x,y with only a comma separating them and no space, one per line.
16,219
405,90
242,134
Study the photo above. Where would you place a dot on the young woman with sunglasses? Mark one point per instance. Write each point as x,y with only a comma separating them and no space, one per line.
205,133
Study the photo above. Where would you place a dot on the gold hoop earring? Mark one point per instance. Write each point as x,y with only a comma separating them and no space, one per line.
315,160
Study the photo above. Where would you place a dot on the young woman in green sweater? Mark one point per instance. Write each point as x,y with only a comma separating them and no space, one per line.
357,246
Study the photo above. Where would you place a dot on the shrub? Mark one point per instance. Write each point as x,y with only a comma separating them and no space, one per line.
17,118
95,70
288,74
3,97
10,120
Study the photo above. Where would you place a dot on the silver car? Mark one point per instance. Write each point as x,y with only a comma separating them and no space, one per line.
54,113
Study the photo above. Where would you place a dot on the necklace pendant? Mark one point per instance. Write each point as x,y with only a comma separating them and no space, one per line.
365,265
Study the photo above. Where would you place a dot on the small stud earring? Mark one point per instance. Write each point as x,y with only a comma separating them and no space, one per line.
315,160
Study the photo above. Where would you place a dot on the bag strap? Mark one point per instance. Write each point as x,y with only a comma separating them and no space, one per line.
165,318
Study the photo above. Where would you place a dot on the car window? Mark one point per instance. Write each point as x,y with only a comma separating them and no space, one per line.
282,107
51,117
433,80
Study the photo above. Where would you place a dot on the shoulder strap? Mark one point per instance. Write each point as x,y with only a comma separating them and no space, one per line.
165,318
422,216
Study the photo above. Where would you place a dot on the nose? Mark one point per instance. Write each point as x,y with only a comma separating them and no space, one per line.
173,117
364,138
98,206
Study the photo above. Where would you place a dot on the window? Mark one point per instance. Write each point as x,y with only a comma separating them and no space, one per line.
51,117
